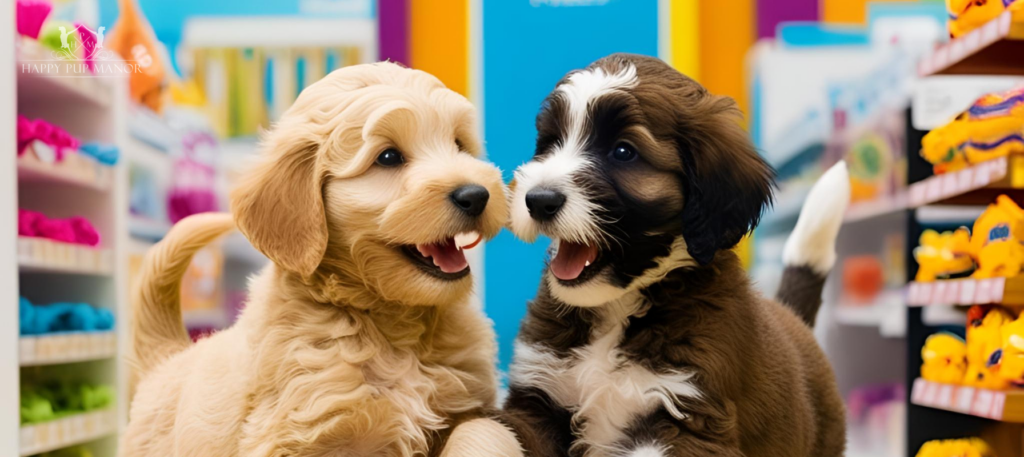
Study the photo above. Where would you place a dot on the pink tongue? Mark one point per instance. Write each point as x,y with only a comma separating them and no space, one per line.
571,259
446,256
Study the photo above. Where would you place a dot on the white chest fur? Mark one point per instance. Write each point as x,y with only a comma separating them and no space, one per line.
603,388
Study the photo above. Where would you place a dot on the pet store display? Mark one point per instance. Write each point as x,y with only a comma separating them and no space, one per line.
992,357
992,127
992,249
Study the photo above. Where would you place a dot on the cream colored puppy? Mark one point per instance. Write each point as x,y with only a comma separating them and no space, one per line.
359,339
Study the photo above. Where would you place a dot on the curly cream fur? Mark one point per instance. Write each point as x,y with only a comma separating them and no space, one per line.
345,347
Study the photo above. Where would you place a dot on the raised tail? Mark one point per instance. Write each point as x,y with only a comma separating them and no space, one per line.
810,251
157,328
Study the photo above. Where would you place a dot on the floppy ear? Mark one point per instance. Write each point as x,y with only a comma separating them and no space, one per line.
728,185
279,206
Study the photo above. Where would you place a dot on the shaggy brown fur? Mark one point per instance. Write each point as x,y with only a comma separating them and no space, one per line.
660,346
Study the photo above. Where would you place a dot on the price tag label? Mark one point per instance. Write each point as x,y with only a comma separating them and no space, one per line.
939,291
952,293
967,287
984,294
945,397
983,403
964,397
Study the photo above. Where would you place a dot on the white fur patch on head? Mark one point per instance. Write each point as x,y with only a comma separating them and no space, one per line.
582,89
605,390
813,241
578,218
648,450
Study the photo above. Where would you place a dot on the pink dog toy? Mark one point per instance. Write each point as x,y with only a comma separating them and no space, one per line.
77,230
31,15
56,137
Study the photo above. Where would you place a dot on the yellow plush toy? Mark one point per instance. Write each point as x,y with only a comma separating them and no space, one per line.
1008,361
984,338
945,358
967,15
970,447
992,127
941,255
996,242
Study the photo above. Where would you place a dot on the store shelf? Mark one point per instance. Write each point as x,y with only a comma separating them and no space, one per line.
861,211
69,431
1006,406
977,185
66,348
967,291
992,49
147,229
41,79
887,313
76,170
43,255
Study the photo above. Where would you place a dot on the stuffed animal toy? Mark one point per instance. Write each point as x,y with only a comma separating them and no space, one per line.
945,358
1008,361
984,337
992,127
942,255
996,242
54,400
970,447
62,317
967,15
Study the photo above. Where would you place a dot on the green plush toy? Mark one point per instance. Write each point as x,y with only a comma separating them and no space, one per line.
35,408
76,451
59,399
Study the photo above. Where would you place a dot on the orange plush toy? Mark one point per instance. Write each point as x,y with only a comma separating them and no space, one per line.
942,255
1008,361
133,38
984,337
945,358
997,238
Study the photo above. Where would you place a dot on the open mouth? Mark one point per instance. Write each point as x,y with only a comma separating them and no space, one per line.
575,263
445,259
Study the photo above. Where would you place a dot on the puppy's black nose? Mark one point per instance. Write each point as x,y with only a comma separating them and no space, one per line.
471,199
543,203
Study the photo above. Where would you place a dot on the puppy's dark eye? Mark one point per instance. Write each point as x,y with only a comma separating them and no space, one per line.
390,158
623,153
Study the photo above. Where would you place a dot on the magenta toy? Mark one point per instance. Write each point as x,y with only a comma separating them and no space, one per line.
38,129
77,230
31,15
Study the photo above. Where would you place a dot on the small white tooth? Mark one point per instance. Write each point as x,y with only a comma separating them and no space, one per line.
587,264
465,239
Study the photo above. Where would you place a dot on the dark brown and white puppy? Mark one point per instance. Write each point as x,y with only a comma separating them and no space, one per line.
646,337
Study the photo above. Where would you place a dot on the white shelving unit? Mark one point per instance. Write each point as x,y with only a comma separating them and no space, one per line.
9,371
46,271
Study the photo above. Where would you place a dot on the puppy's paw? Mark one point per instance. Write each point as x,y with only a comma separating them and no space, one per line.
482,438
